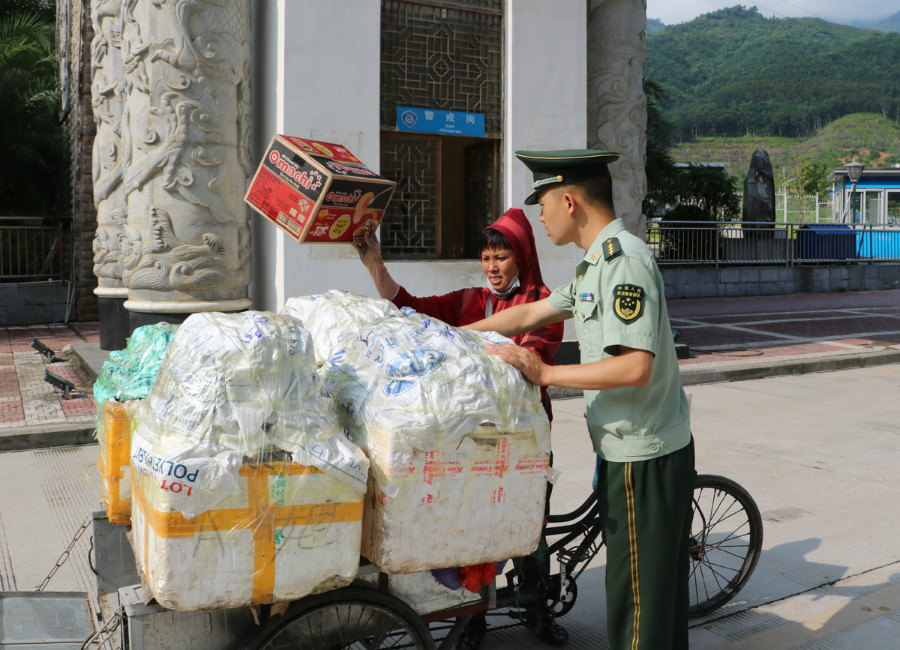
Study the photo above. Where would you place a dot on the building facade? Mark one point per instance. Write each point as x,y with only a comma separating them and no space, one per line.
510,74
877,200
73,39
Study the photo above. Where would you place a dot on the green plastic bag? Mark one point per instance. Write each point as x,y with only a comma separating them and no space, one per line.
130,373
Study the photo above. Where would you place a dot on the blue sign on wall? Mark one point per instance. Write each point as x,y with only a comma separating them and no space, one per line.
428,120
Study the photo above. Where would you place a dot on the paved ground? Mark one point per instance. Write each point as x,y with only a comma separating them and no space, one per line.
728,339
818,450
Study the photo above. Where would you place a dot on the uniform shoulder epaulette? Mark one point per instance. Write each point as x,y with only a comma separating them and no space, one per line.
611,249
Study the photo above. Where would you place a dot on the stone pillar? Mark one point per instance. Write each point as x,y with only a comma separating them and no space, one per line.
617,108
107,100
186,157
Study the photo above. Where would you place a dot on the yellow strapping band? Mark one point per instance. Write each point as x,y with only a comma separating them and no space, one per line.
261,517
115,453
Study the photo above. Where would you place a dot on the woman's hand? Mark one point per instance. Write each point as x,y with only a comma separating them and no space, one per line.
369,250
522,358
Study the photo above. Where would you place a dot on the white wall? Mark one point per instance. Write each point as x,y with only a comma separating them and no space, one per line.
266,238
322,81
313,80
546,99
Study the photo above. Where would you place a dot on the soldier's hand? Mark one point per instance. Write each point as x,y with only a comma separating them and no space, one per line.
522,358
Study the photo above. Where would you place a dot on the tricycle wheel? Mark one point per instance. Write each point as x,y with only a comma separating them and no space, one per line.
726,541
352,617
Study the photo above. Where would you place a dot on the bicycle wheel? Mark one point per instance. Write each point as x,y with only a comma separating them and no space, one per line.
726,540
344,619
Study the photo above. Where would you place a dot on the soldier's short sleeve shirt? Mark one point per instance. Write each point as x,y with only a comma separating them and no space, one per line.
617,299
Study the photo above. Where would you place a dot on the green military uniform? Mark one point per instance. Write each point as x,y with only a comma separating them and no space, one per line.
617,299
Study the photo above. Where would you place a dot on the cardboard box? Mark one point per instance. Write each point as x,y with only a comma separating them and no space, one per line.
290,532
481,501
318,192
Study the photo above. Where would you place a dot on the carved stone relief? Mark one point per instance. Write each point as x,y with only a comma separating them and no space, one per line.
616,111
183,155
107,102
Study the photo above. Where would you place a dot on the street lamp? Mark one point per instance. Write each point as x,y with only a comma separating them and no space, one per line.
854,171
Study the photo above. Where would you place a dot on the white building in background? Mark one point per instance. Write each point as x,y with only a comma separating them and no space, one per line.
542,75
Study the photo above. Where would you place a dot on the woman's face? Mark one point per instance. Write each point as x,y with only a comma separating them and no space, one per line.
499,266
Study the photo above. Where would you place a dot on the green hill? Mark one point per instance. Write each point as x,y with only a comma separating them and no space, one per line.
734,72
870,139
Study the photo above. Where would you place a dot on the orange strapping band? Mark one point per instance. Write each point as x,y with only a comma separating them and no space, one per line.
261,517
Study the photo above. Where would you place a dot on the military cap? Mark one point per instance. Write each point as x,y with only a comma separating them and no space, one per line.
565,166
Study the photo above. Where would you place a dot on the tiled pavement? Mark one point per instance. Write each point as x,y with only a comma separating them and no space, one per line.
782,326
728,339
26,399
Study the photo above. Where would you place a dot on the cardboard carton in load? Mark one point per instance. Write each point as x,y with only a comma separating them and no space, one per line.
291,531
318,192
478,502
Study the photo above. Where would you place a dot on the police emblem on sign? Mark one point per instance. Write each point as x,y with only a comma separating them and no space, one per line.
628,302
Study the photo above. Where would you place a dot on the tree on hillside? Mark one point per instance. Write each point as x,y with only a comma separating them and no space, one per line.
734,72
659,165
810,179
693,192
32,144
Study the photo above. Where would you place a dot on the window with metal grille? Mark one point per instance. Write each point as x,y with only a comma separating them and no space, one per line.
448,56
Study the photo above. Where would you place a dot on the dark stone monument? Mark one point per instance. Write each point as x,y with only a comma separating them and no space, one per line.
759,193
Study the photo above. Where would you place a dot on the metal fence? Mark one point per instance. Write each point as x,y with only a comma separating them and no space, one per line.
808,208
34,248
725,242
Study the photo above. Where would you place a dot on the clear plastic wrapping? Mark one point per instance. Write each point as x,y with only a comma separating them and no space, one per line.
413,380
458,440
125,378
335,318
245,486
238,386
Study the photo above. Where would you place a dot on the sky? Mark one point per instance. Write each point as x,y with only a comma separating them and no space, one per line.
672,12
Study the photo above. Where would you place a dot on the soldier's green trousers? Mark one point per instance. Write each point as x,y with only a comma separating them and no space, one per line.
646,507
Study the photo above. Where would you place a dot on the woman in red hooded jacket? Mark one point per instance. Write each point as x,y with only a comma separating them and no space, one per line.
509,260
510,264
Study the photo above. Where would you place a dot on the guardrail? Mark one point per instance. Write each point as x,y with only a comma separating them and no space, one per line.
727,242
34,248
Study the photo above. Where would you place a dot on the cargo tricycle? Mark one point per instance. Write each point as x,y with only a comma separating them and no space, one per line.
414,611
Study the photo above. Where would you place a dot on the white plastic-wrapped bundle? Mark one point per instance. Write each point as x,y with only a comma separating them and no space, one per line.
236,386
458,440
245,488
422,384
335,317
481,500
